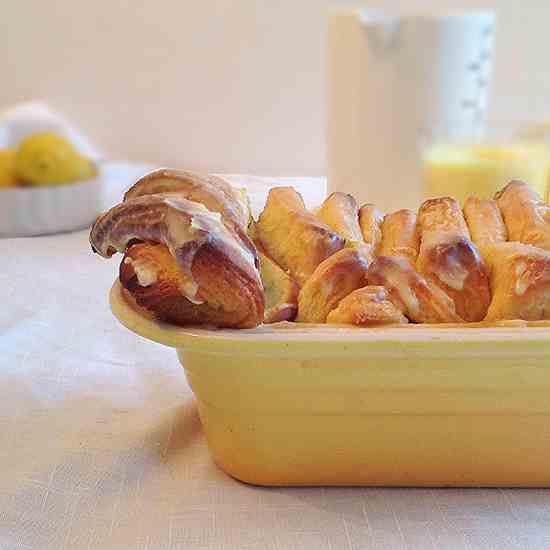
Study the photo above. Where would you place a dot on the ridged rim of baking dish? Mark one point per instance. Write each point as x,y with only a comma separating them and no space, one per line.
510,337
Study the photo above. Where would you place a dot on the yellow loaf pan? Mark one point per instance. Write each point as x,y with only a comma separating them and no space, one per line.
415,406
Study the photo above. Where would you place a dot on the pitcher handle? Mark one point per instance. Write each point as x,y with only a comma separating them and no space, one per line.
383,30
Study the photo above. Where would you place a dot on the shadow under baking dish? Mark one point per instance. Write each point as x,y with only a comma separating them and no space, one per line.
417,406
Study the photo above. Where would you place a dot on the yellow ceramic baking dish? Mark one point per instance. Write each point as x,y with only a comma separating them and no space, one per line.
413,406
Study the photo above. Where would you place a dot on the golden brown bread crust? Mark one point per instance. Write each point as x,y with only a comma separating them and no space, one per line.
191,268
215,193
457,268
442,215
333,280
191,264
294,237
370,222
420,300
526,215
484,222
341,213
367,307
280,291
182,225
450,260
400,235
150,274
520,280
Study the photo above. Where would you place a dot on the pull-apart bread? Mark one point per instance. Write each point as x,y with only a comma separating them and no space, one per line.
193,255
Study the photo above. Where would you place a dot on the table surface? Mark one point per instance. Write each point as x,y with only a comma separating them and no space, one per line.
101,445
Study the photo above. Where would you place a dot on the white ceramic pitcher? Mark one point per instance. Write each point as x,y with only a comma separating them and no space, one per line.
397,82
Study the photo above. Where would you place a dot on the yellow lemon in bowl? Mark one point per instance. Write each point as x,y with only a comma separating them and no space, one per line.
87,169
49,159
8,173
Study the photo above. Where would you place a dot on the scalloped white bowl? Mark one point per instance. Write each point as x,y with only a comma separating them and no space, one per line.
30,211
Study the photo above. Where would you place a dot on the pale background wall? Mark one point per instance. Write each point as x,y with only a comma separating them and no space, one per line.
221,85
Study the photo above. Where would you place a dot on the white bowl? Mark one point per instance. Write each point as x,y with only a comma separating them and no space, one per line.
29,211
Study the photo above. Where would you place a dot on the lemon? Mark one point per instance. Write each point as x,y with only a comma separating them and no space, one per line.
8,176
87,169
48,159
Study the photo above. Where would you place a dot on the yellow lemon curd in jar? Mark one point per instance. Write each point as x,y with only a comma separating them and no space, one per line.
483,169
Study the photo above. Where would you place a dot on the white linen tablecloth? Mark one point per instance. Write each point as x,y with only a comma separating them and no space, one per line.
101,445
